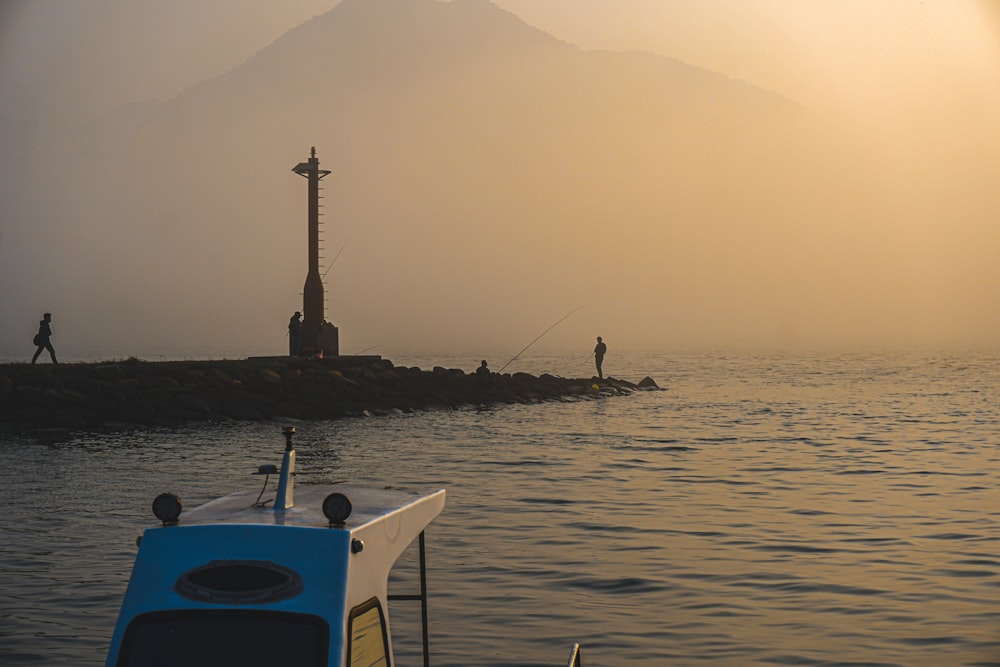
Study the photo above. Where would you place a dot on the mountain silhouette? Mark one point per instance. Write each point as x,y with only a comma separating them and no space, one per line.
463,143
402,89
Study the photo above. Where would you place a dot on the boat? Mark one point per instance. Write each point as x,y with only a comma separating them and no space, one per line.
300,579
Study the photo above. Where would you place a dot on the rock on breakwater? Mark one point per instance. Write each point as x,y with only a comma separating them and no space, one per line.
170,393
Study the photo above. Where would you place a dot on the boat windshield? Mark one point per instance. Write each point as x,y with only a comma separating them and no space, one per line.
193,638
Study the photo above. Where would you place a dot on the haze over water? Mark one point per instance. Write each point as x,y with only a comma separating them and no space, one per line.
725,173
768,509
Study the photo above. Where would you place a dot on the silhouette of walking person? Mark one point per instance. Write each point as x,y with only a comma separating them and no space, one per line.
42,339
295,335
599,351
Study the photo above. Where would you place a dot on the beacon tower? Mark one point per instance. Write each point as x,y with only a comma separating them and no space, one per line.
317,335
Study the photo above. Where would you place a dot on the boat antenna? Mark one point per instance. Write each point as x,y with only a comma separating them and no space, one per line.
538,338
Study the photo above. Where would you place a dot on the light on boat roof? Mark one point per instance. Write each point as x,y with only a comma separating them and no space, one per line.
337,507
167,508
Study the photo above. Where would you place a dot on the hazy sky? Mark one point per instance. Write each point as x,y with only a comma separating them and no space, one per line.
917,81
851,53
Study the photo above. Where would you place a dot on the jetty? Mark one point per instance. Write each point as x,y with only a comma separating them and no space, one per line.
313,382
134,393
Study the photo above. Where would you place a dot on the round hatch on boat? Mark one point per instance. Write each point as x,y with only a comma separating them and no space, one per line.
239,582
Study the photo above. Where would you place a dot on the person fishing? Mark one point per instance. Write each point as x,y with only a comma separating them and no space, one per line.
43,338
599,351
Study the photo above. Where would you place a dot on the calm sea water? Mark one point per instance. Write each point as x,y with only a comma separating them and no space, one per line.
764,510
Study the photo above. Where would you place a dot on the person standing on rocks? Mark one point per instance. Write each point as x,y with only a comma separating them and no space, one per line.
295,335
599,351
42,339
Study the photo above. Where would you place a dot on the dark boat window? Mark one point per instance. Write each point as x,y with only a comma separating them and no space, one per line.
367,641
193,638
239,582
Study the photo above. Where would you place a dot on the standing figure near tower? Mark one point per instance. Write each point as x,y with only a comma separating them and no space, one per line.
295,335
599,351
42,339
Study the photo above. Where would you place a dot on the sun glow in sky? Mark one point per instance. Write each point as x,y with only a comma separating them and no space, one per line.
911,87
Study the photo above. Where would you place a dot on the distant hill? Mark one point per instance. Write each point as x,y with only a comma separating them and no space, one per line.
472,155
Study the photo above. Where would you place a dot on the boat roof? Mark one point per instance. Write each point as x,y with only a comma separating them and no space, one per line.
369,505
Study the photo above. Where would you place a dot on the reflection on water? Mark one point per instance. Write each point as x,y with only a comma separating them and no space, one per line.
762,511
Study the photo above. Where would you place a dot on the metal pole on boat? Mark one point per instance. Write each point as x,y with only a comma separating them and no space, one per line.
574,657
422,596
423,600
285,497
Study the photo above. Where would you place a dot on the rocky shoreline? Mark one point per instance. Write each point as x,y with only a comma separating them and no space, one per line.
135,393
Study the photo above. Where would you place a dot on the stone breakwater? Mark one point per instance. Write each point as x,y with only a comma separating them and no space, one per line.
135,393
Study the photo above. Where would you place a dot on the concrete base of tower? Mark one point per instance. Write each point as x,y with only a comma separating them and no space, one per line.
329,340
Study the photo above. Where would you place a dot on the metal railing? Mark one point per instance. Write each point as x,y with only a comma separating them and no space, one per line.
422,598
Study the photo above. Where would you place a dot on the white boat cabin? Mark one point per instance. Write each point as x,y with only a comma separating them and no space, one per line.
300,580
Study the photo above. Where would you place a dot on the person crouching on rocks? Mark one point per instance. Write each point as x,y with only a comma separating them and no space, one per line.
483,374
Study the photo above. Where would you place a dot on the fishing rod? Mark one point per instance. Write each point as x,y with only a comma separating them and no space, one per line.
366,349
335,257
538,337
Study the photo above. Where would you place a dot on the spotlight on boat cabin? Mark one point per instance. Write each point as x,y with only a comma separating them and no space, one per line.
167,508
337,507
267,469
